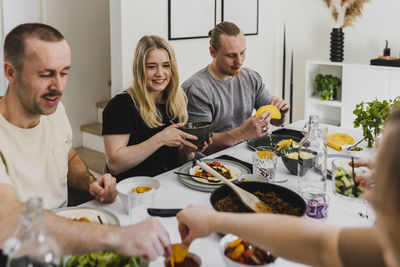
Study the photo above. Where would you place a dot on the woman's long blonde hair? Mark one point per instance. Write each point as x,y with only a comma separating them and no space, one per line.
173,95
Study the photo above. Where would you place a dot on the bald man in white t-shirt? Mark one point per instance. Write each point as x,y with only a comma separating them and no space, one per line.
37,158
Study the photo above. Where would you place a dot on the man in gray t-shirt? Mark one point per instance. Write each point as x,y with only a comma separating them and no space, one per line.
226,94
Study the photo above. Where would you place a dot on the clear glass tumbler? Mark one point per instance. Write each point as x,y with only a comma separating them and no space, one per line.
264,163
345,185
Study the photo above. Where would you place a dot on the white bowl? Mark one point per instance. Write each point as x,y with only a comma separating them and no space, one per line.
223,243
124,186
252,177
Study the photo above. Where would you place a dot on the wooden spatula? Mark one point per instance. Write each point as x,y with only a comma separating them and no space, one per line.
247,198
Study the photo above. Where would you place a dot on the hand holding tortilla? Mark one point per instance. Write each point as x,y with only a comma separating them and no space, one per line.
179,253
276,114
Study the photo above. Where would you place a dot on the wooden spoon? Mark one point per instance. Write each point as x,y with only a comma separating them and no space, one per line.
247,198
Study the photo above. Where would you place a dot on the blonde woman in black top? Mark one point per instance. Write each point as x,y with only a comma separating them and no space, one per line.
141,125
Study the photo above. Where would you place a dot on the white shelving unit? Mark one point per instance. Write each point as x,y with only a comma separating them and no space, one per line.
359,83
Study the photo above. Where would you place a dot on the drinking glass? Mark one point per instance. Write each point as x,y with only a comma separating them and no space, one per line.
317,207
138,204
264,163
345,185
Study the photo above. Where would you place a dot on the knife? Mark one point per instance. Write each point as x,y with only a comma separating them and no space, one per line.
163,212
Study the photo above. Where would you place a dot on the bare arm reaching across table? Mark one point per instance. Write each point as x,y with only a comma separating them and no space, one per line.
148,238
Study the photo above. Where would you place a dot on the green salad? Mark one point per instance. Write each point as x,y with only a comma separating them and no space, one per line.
346,184
104,259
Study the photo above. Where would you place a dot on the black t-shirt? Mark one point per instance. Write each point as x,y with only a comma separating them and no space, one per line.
120,116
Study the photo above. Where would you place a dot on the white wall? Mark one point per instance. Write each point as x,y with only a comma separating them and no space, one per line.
138,18
309,24
85,25
11,15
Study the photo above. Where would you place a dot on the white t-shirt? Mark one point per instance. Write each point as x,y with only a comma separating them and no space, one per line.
37,158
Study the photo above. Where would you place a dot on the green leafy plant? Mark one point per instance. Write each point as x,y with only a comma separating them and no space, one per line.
327,86
372,115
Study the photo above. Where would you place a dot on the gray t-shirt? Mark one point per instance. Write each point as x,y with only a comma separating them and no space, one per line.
225,103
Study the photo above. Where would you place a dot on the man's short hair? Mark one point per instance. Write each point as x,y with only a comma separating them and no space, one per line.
224,27
14,44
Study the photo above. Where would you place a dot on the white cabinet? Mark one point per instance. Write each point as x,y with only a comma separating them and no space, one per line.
359,83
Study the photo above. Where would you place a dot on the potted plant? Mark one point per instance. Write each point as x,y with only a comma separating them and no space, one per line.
327,86
372,115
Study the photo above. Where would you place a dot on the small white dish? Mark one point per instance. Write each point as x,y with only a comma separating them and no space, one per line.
252,177
124,186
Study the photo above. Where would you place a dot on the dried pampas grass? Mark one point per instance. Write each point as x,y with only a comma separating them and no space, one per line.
345,12
328,3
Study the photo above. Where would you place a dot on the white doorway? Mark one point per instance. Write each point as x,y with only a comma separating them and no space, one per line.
12,13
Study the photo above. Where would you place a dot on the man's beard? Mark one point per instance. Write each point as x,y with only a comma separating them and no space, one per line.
232,72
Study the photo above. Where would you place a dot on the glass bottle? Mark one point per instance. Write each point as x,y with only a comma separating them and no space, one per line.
35,247
312,172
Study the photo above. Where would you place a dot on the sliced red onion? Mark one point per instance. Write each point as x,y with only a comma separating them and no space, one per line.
317,208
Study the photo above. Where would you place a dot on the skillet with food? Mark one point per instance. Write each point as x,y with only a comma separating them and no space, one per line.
279,198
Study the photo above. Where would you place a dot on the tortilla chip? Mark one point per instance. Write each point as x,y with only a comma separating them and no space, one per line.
179,252
275,113
337,140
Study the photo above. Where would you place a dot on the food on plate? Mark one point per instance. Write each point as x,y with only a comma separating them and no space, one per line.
304,155
284,144
221,169
245,253
141,189
356,148
346,184
337,140
105,259
83,219
231,203
275,113
84,214
229,172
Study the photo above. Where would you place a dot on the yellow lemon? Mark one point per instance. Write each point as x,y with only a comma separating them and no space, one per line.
276,114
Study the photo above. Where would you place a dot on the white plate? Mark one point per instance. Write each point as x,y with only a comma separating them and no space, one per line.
188,181
235,172
89,212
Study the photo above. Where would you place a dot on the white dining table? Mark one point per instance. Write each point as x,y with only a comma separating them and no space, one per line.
174,194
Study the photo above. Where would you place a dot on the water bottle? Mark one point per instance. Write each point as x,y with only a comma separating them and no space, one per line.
30,244
312,171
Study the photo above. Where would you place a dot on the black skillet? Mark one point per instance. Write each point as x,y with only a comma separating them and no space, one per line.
285,194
